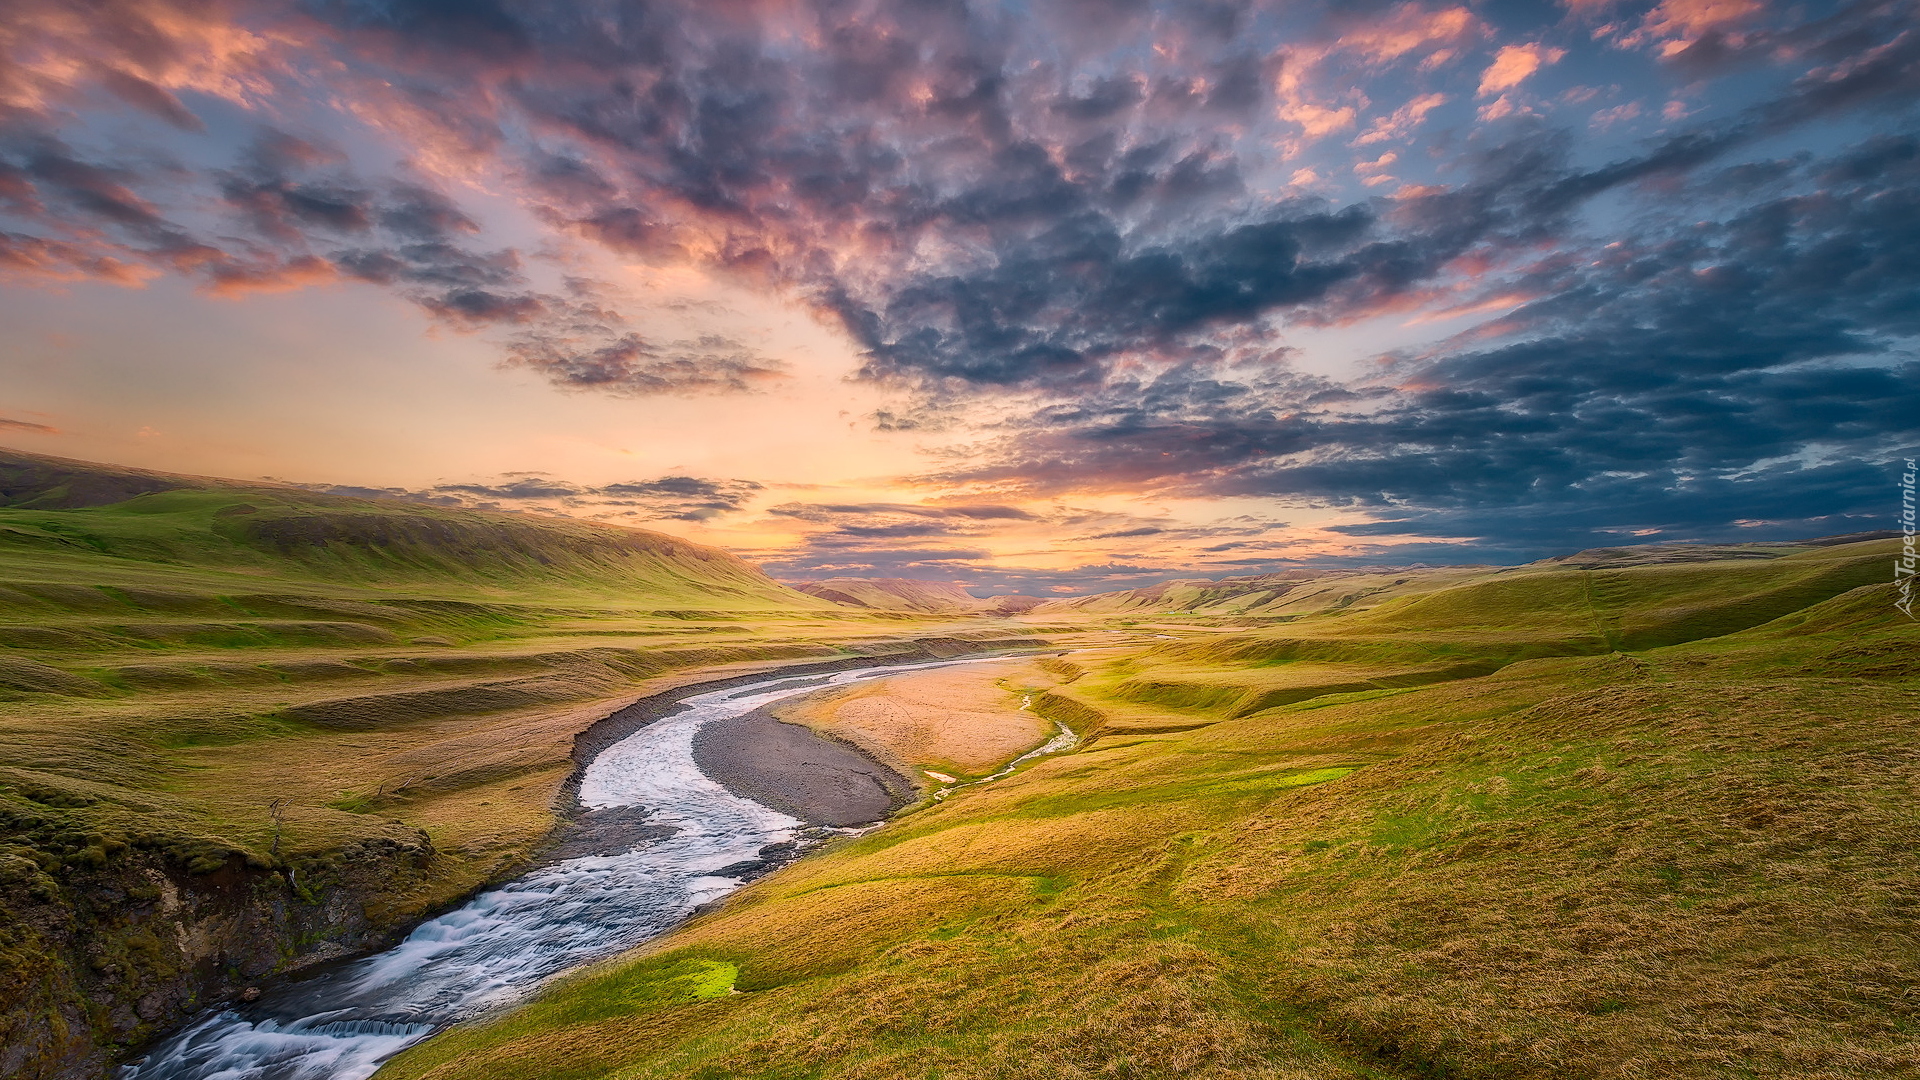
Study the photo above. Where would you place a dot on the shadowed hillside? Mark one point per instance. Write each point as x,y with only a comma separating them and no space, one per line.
64,514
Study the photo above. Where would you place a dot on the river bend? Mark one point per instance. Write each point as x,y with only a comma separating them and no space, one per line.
341,1024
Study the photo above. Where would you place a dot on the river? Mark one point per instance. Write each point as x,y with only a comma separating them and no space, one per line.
341,1024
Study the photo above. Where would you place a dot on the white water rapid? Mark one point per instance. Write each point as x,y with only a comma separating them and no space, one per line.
343,1023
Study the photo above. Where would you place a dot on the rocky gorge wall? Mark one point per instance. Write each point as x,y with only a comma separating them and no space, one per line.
127,944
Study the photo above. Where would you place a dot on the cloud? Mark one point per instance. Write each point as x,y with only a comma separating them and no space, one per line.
974,212
1089,214
8,423
666,498
1514,64
630,364
1406,29
1702,372
845,525
1400,123
1675,25
37,257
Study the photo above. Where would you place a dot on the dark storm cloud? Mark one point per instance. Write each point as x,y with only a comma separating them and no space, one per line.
703,135
666,498
303,215
847,525
1100,228
1783,502
276,191
632,365
423,214
1097,246
43,174
1747,369
293,199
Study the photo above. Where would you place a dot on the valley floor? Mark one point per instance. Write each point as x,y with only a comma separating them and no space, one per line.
1692,860
1626,816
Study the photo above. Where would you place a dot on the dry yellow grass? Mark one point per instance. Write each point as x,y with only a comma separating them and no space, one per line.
1695,863
961,720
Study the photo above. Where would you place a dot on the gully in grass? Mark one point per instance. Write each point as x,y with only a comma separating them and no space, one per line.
341,1025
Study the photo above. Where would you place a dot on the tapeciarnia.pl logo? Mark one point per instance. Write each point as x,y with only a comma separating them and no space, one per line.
1903,567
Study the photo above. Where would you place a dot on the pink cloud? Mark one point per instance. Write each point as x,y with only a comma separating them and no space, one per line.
1514,64
1401,122
1407,29
1677,24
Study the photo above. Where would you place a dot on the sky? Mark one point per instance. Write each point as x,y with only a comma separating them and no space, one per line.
1043,297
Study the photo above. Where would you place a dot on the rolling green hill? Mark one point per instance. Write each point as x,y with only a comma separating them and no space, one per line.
896,594
245,726
1294,594
1629,813
63,518
1614,822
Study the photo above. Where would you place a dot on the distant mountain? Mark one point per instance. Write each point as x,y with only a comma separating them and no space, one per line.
1014,604
1609,558
899,594
1290,592
1309,591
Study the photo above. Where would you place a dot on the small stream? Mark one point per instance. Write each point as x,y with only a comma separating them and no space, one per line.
341,1024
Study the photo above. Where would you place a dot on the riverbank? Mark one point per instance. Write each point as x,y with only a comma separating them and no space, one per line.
246,730
830,779
938,725
1605,866
801,774
651,838
250,904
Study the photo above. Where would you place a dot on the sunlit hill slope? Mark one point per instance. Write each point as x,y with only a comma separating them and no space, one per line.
1571,820
245,727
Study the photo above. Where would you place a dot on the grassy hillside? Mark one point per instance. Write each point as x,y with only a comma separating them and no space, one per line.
896,594
244,726
1287,595
180,652
221,534
1632,813
1295,594
1522,827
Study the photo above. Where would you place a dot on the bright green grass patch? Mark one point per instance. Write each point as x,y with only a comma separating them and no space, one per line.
709,979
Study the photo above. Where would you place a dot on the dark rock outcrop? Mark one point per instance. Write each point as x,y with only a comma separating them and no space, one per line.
109,950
